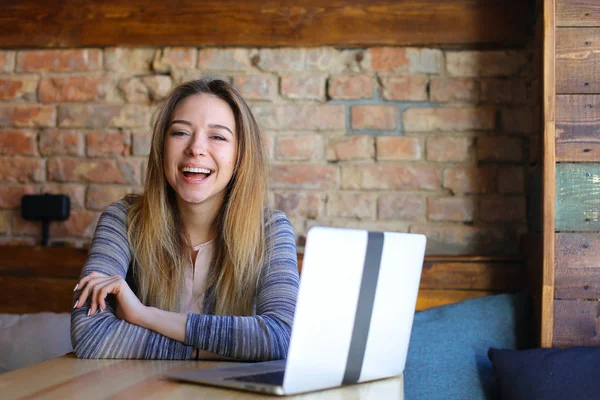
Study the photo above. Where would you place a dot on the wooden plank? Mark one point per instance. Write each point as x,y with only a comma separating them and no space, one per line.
577,60
34,279
577,13
450,279
578,128
549,178
80,23
577,266
578,197
30,295
588,150
578,250
503,274
449,272
577,283
576,323
483,274
41,261
435,298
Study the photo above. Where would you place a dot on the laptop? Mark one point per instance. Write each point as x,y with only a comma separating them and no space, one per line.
353,319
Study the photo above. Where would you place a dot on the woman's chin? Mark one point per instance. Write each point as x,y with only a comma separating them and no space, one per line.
191,199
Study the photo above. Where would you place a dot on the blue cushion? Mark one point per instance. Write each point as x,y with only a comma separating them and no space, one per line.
547,374
447,356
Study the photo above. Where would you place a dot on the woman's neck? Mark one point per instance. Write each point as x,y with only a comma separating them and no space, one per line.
198,222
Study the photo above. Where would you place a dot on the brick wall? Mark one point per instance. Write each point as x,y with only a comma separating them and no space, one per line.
409,139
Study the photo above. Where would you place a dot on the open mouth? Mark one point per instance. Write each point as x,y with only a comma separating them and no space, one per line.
197,174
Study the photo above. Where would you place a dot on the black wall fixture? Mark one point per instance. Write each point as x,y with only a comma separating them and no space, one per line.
45,207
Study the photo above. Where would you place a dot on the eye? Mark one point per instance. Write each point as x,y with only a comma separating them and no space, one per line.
218,137
178,133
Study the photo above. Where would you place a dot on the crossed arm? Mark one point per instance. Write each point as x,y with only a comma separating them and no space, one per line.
98,286
126,328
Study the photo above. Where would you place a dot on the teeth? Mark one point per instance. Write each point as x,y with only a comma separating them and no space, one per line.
196,170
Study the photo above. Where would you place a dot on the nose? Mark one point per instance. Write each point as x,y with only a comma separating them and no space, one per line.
197,145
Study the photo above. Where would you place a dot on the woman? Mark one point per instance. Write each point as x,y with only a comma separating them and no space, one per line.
197,266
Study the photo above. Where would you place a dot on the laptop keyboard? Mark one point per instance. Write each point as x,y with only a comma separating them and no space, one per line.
270,378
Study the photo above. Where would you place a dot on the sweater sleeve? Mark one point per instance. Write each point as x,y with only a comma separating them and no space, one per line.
104,335
265,335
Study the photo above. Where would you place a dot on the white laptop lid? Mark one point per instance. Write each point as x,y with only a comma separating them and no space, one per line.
337,339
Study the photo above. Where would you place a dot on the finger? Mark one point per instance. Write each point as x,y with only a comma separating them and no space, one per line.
85,290
99,294
84,281
101,299
89,286
100,291
94,297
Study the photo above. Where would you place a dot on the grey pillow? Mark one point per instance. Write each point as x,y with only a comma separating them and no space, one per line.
27,339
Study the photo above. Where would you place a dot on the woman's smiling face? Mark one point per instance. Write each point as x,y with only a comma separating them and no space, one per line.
200,150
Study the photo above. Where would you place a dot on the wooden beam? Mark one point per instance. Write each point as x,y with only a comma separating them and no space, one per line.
469,273
348,23
473,273
20,295
29,276
549,177
54,262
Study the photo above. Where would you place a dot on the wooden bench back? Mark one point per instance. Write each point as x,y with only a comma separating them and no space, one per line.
36,279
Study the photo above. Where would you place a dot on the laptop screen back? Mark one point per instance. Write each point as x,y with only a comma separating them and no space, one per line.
355,307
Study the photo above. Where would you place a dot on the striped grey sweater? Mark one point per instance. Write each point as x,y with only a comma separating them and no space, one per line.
263,336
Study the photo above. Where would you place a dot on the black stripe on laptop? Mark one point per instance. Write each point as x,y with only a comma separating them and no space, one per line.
364,308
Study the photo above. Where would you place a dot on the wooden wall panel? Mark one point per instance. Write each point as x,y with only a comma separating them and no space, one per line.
29,277
41,261
577,60
79,23
450,279
475,273
578,250
36,279
25,295
577,13
577,323
577,283
578,197
578,128
575,320
577,266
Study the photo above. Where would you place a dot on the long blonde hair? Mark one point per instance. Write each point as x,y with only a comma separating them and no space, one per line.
155,232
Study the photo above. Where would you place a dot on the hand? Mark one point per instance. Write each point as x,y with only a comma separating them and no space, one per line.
97,286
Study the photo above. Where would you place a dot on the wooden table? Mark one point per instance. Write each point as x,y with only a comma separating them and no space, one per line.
68,377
